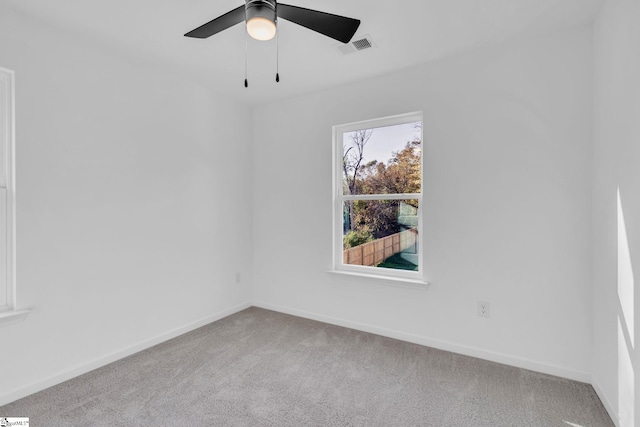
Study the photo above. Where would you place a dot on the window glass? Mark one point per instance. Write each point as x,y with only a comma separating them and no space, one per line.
384,234
384,160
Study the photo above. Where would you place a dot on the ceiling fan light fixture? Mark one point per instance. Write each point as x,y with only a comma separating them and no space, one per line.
261,19
261,28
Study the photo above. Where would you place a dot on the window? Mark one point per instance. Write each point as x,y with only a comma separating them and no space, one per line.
8,313
377,198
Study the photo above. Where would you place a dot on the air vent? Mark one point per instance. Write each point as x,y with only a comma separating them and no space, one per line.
362,44
356,45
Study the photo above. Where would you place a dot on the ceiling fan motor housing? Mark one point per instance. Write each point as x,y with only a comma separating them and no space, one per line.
261,9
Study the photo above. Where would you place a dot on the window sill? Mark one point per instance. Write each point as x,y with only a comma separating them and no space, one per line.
13,316
401,282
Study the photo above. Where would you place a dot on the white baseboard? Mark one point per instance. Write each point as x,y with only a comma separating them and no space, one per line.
613,413
505,359
37,386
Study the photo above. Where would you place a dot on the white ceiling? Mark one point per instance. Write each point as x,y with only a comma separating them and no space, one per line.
406,33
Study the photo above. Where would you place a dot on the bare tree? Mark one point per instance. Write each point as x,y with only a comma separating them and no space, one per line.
352,164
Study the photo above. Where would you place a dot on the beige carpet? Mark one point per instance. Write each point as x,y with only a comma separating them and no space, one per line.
261,368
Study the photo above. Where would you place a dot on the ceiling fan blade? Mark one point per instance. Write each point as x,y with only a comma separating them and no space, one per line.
223,22
337,27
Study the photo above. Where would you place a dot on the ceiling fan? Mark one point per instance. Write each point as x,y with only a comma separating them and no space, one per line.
262,16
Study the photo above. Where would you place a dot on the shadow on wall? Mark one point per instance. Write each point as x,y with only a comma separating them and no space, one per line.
627,355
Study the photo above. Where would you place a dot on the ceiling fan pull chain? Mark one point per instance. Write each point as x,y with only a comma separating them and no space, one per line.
246,81
277,58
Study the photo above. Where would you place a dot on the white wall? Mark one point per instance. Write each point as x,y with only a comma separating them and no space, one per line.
616,359
507,204
132,206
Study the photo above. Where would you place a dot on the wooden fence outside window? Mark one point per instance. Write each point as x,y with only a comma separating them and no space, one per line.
374,252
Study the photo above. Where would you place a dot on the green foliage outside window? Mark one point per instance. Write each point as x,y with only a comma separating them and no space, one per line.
400,174
357,238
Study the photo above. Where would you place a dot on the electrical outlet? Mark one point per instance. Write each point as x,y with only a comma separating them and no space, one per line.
484,309
238,277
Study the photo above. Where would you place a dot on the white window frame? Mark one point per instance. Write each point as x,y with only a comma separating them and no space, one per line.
391,276
8,307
